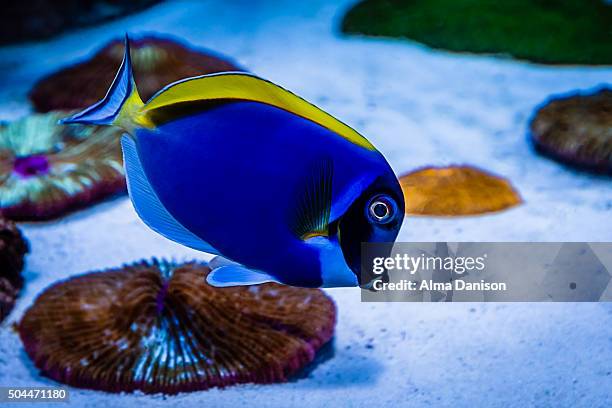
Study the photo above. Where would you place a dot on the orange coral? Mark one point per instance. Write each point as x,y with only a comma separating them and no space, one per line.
456,190
159,327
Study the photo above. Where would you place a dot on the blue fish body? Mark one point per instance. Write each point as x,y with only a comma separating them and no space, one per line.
227,173
247,170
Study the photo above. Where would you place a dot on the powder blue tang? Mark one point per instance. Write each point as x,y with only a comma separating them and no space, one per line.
279,189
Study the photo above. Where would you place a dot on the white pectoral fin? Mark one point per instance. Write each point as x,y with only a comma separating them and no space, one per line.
148,206
232,274
219,261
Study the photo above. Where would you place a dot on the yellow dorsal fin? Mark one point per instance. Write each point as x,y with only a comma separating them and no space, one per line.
243,86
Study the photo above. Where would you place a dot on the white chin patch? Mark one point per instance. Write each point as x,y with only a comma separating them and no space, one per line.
334,270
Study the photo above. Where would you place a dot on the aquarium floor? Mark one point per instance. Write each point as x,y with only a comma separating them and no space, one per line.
420,107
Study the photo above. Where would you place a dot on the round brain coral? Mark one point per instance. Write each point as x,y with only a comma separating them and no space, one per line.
157,62
576,130
159,327
456,191
47,169
13,248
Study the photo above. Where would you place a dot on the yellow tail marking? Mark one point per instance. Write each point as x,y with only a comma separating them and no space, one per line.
131,114
250,88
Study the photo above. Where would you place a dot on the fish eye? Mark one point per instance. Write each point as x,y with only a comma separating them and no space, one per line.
382,209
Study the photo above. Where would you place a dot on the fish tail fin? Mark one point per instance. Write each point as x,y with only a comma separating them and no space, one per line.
121,105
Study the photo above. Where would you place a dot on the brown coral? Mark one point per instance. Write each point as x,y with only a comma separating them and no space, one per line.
576,130
157,62
456,190
13,248
159,327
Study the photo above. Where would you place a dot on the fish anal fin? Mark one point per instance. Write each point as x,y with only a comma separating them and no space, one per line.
237,275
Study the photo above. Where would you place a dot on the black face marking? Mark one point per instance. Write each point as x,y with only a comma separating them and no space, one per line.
376,216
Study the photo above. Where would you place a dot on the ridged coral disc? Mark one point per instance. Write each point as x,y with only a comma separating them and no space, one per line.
456,190
47,169
13,248
159,327
577,130
157,62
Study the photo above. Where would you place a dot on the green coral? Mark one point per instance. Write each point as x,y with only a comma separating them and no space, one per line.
543,31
